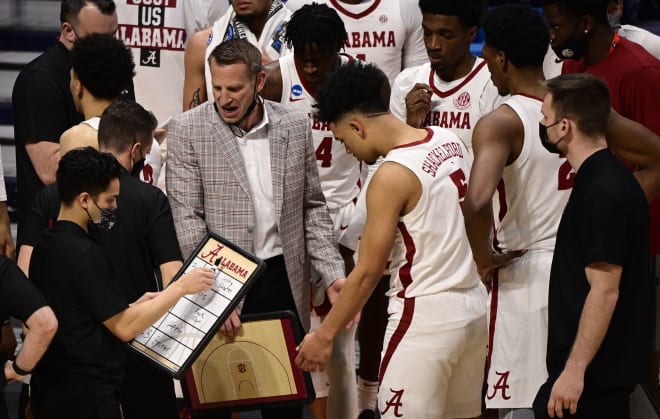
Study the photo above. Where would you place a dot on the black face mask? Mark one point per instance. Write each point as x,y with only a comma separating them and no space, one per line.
573,48
137,168
107,220
545,141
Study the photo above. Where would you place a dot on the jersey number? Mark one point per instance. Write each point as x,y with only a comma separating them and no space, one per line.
458,177
324,152
565,176
361,57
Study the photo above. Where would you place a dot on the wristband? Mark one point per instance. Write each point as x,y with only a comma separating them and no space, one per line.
18,369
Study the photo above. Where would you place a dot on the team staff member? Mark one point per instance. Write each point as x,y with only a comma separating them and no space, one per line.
600,300
142,241
80,374
42,102
20,299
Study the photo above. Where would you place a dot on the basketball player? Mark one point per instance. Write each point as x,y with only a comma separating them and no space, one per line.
529,188
261,22
387,33
453,90
436,335
316,34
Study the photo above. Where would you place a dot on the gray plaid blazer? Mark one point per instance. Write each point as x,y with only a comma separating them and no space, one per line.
208,190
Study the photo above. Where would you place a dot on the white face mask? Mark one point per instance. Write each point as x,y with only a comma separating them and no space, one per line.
614,21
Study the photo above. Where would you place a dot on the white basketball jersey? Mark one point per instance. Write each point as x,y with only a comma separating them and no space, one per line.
339,171
431,252
155,32
456,105
534,189
92,122
271,41
387,33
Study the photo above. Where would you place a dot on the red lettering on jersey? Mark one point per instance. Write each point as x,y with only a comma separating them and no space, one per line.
565,175
500,385
458,177
371,39
447,119
213,253
394,402
324,152
148,174
318,125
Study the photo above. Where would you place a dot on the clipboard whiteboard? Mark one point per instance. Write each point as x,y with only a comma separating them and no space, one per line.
175,340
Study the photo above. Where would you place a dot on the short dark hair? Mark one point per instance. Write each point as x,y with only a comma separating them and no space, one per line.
236,50
597,9
124,123
520,32
85,170
582,98
315,24
354,87
103,64
469,12
69,9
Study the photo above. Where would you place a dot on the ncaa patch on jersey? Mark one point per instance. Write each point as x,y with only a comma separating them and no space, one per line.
296,90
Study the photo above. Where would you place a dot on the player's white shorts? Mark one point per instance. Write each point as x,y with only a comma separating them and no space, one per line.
319,378
342,218
518,319
432,364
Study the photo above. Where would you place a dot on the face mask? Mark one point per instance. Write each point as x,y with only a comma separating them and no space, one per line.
137,168
545,141
106,222
614,21
572,48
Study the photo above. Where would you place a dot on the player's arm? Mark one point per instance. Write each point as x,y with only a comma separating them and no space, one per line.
496,141
41,328
389,192
78,136
273,86
45,157
144,312
637,145
194,83
595,319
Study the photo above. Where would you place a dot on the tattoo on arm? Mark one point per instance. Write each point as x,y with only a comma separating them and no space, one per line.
195,99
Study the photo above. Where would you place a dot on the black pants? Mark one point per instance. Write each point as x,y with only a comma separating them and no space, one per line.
56,396
147,392
271,292
601,403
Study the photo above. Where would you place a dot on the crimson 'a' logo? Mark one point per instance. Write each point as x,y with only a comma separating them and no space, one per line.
500,385
394,402
462,102
213,253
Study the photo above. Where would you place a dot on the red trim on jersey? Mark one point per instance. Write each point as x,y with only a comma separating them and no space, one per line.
337,5
501,193
493,316
540,99
404,271
426,139
397,336
457,88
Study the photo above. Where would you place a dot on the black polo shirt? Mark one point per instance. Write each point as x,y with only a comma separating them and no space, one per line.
18,297
43,109
606,219
75,277
142,239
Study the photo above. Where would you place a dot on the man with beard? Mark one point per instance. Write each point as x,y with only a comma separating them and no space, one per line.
261,22
454,89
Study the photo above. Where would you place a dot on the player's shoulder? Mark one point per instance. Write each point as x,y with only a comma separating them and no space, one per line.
411,75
